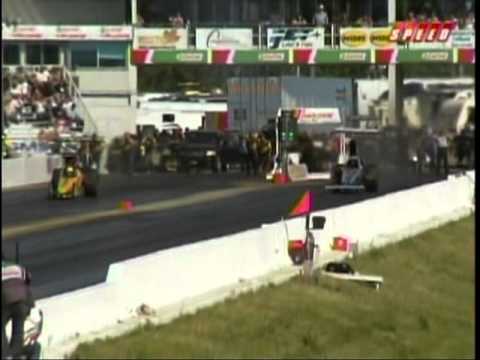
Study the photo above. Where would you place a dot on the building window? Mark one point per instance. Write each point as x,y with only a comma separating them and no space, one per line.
112,55
99,55
33,54
11,54
84,55
51,54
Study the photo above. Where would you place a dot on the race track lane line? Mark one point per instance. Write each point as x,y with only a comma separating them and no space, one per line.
39,226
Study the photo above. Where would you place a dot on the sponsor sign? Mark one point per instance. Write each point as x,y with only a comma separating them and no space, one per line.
216,38
463,39
423,35
330,56
164,38
151,56
318,115
302,37
396,56
412,35
232,56
67,33
365,38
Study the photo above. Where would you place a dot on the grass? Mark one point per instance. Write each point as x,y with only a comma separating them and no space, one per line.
424,310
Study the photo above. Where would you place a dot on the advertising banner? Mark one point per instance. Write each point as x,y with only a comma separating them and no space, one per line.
313,56
401,56
463,39
318,116
366,38
151,56
216,38
292,37
407,35
424,35
232,56
67,33
164,38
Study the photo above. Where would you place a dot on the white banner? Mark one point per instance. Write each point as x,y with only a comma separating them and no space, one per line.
463,39
216,38
165,38
292,37
319,116
67,33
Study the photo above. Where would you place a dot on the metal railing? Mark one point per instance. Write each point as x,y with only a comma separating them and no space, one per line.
81,108
331,33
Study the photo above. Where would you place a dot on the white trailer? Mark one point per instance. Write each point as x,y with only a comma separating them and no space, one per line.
186,114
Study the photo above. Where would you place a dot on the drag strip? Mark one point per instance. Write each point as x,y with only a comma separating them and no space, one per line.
28,205
77,255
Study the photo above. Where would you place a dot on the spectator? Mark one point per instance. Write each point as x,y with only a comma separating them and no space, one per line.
470,22
321,17
276,19
462,147
244,155
43,75
129,152
177,21
442,152
252,146
411,16
468,7
422,17
299,20
265,153
428,10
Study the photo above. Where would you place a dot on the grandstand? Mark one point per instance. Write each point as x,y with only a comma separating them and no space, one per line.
90,41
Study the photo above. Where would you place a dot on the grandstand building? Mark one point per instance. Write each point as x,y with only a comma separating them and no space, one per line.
92,39
108,46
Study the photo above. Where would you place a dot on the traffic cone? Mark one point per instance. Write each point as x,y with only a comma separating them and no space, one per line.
280,178
126,205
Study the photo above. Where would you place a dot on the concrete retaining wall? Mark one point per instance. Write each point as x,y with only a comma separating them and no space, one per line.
28,170
183,274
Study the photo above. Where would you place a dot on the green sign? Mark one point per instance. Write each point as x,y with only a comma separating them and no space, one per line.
261,56
180,56
425,56
343,56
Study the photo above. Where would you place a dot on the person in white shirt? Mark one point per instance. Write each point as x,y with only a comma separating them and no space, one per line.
43,75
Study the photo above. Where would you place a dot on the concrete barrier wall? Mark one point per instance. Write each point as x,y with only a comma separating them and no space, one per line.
28,170
174,275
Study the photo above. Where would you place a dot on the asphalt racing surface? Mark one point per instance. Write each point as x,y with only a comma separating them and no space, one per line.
173,210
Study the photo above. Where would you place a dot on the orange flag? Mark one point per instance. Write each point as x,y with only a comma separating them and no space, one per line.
304,206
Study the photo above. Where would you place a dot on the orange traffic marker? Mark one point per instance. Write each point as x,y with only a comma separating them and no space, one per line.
126,205
279,178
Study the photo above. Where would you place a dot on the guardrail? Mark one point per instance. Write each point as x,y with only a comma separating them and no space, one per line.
28,170
191,276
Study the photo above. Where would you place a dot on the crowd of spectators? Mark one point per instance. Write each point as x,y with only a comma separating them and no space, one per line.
39,97
464,15
322,17
157,151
